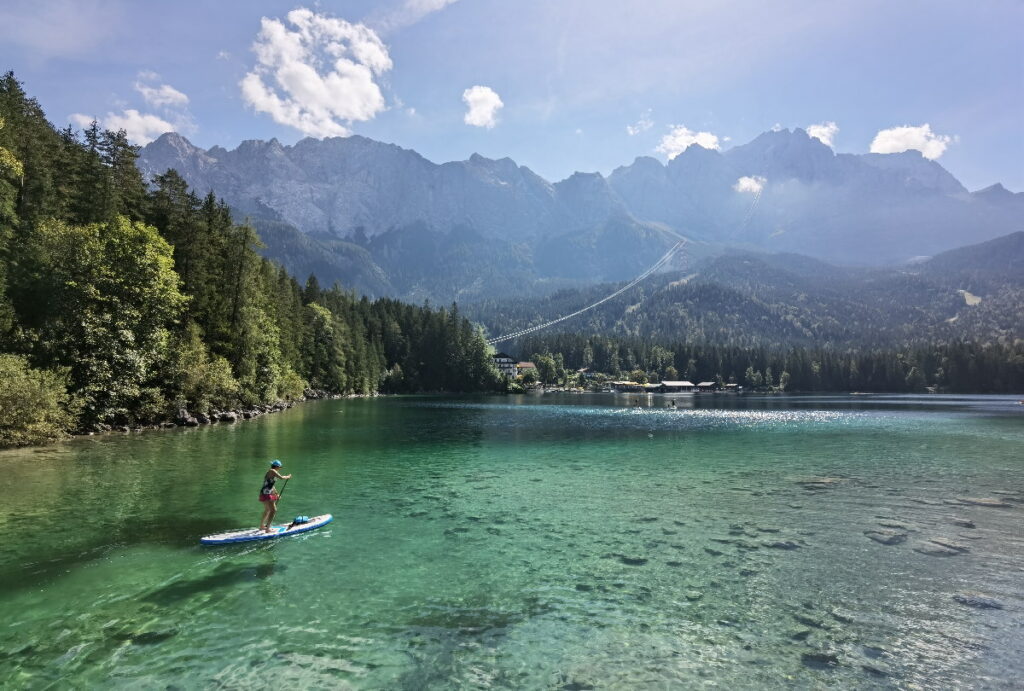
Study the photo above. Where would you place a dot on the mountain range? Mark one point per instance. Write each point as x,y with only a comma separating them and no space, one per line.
384,220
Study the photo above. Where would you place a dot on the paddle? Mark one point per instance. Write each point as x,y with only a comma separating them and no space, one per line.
282,490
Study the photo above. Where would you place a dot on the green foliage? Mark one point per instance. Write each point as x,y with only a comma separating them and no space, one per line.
111,297
154,300
35,405
199,381
545,367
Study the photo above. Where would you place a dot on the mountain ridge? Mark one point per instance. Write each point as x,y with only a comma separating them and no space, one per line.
801,196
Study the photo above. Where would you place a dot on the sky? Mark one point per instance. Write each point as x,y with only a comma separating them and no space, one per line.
557,85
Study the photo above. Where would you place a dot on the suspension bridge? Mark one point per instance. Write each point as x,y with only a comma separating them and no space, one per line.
665,258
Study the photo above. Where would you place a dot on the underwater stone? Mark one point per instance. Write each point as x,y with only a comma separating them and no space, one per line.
820,659
782,544
977,601
632,561
940,548
986,501
886,537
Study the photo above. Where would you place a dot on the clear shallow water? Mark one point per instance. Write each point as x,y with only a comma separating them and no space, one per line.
529,542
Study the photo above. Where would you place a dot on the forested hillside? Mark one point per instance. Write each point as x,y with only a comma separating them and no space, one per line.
749,299
121,302
953,323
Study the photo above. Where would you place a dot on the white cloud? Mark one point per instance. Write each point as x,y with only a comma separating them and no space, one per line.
161,96
410,12
81,120
141,128
642,125
897,139
287,82
823,131
750,185
223,55
680,138
483,105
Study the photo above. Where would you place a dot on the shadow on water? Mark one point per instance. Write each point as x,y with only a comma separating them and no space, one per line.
183,532
224,576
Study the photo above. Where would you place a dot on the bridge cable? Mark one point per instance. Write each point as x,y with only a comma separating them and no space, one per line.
657,265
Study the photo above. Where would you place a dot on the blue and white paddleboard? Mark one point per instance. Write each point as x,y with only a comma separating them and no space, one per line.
255,534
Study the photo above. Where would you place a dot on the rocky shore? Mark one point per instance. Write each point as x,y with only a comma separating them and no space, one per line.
186,418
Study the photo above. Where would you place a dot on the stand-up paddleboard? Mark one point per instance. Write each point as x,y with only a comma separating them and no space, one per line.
255,534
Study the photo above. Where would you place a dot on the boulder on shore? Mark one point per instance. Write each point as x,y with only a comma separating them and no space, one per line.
229,416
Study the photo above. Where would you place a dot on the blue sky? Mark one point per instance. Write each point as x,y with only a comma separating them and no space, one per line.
557,85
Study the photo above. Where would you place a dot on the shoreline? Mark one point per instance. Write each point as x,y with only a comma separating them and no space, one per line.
230,416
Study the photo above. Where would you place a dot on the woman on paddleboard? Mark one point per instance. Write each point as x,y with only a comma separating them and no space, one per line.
269,495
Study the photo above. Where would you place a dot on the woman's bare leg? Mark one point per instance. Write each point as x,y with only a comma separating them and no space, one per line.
271,512
266,512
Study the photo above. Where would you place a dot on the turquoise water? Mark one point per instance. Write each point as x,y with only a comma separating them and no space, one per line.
564,542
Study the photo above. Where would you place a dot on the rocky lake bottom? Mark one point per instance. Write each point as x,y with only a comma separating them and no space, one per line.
555,541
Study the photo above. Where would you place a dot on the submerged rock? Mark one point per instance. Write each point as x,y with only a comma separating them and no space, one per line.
632,561
896,525
987,501
782,544
963,523
820,659
886,537
875,669
816,483
939,547
977,601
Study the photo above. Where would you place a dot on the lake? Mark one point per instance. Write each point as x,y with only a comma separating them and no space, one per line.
548,541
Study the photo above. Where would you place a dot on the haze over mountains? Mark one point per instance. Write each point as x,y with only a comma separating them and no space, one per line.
385,220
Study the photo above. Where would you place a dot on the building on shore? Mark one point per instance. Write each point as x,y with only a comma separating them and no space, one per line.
506,364
707,386
521,367
677,387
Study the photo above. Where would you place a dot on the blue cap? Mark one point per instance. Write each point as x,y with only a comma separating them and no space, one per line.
275,463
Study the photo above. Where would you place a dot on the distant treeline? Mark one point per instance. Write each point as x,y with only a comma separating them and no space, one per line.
950,367
122,302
